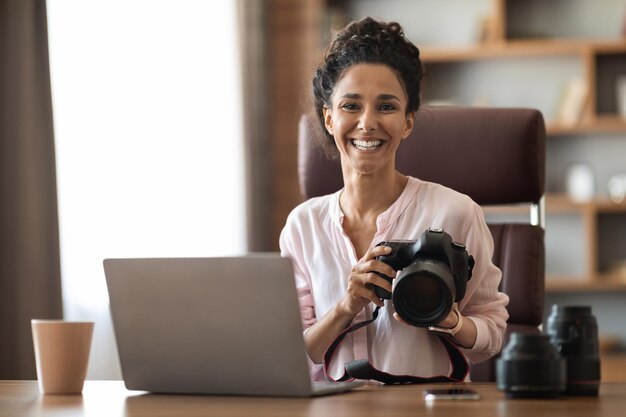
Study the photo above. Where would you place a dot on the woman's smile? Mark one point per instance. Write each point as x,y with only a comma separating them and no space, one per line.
367,145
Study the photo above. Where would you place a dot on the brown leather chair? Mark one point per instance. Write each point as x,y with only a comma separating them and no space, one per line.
497,157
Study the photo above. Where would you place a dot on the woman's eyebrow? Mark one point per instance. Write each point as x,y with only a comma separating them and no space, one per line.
388,97
380,96
352,96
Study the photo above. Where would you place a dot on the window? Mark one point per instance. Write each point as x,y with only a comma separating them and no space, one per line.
147,114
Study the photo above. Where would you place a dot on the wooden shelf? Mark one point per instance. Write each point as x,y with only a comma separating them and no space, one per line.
599,124
529,48
607,206
576,284
609,47
562,203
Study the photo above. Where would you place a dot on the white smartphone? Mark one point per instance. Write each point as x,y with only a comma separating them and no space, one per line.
451,394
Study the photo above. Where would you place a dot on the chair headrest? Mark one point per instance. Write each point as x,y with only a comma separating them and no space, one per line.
494,155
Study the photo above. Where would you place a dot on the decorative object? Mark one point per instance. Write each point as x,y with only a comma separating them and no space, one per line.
617,188
572,102
580,182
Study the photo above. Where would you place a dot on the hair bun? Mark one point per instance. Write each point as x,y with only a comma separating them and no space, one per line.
369,31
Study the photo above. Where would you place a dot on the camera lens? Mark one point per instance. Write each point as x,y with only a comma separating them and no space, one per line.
574,332
530,367
424,293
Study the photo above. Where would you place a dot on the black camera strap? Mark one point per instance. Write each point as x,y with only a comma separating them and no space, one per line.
362,369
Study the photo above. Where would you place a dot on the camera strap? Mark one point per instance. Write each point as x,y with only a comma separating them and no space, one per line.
362,369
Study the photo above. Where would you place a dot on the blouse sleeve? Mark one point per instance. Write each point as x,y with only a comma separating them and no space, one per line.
483,303
291,247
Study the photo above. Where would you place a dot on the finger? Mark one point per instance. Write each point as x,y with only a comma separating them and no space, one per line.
374,266
399,319
373,279
374,252
368,280
369,295
374,299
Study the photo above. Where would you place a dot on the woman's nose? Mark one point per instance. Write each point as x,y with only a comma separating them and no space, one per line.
367,121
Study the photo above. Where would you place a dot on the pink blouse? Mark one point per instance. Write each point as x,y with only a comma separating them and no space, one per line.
323,256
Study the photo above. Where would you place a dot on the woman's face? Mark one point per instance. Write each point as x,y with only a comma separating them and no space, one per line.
368,118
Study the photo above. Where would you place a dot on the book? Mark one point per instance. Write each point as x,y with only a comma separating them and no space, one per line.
572,102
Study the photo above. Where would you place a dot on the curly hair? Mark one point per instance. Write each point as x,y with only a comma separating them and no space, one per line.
371,42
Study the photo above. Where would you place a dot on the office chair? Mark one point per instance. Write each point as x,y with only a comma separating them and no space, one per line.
495,156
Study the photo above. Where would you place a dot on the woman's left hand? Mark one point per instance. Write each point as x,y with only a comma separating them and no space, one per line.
466,336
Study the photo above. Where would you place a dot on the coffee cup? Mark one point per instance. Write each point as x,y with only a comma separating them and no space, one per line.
61,354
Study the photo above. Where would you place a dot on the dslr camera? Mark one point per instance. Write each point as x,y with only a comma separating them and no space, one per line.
434,274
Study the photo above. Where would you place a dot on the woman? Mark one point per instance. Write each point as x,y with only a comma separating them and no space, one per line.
367,92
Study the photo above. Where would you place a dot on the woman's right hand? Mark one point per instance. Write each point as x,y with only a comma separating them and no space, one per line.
360,293
363,278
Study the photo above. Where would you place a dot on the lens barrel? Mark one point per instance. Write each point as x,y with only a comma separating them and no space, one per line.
424,293
573,330
434,271
530,367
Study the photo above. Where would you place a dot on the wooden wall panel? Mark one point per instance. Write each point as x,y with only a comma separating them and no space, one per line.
294,33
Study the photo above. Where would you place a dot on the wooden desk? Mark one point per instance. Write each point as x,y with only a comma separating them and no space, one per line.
111,399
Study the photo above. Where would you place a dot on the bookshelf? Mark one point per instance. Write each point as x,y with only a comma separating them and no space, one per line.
599,273
601,60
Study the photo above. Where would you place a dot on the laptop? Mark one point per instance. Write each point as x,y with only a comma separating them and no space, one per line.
220,326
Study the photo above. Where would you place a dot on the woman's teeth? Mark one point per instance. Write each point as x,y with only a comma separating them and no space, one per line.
365,145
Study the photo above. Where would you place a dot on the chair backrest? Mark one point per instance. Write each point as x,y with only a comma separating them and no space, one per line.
496,156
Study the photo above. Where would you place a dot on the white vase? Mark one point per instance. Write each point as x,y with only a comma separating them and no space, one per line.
580,182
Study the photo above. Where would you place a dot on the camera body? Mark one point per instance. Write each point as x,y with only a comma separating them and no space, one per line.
434,274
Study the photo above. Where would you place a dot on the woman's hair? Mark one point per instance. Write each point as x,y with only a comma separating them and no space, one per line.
367,41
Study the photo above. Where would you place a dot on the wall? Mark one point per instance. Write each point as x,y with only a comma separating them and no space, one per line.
294,47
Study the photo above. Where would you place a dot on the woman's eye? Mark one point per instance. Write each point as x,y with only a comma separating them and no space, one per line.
387,107
350,106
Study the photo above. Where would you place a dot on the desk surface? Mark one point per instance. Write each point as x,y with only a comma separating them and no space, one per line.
111,399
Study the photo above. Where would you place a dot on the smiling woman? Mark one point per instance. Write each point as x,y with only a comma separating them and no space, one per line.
367,92
148,139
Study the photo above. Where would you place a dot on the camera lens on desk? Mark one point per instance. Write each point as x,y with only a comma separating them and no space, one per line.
574,332
530,367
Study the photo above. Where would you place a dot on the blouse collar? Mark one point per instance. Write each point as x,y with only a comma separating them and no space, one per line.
388,216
